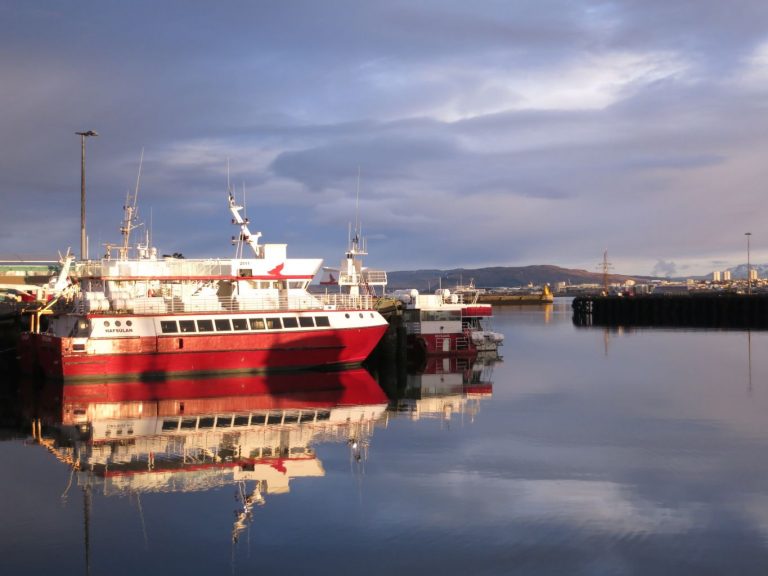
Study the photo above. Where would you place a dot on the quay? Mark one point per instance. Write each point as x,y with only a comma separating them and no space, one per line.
694,310
545,296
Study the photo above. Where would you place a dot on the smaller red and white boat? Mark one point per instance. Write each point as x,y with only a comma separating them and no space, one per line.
445,324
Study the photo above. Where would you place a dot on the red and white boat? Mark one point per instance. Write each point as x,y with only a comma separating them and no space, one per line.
447,323
133,313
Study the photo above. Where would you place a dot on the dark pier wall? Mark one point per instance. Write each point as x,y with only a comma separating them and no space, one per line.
389,359
683,310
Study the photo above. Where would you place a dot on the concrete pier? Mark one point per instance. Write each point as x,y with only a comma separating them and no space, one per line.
696,310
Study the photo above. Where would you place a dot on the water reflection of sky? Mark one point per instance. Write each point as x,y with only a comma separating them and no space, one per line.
620,452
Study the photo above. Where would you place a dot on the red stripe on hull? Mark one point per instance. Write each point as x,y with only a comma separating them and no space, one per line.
210,353
486,310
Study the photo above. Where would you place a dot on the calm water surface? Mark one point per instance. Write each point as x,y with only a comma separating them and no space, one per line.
583,452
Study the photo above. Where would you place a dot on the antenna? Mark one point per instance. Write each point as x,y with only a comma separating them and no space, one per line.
357,203
138,179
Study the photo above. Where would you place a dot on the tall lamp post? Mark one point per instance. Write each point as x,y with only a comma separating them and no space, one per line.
83,243
749,268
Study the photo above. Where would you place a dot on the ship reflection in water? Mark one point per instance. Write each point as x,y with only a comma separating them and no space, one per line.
255,433
444,386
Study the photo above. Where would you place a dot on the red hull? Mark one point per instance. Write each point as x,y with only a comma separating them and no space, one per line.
209,354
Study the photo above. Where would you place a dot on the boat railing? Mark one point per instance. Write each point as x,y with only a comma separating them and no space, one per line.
203,304
165,268
375,276
156,268
370,277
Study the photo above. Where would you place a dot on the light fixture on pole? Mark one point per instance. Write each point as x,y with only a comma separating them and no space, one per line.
749,268
83,244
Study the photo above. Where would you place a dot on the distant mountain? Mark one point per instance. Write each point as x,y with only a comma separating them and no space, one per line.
740,271
507,276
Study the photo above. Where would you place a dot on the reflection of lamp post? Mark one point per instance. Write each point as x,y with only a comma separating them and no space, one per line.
83,246
749,269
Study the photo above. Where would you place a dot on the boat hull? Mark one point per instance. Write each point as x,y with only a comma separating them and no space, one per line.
62,358
458,345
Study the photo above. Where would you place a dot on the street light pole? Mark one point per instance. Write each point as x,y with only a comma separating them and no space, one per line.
83,243
749,268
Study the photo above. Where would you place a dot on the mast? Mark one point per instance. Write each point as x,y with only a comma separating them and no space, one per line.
130,212
245,236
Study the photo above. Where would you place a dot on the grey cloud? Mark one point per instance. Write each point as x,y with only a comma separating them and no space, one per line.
378,157
664,268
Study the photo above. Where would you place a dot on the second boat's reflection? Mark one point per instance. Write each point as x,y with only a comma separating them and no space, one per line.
444,387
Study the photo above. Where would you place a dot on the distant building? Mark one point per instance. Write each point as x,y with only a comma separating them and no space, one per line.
752,274
726,275
676,288
716,276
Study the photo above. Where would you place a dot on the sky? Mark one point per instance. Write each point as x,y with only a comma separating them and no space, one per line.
485,133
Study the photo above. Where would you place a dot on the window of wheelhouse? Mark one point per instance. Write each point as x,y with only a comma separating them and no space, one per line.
206,422
322,321
297,284
168,326
306,322
187,326
274,324
290,322
240,323
205,325
257,323
222,325
440,315
188,423
275,418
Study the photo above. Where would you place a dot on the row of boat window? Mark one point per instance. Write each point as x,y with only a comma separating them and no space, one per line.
241,420
242,324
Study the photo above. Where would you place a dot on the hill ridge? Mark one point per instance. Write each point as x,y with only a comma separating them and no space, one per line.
498,276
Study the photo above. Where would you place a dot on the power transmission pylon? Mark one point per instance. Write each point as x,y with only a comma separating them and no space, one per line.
606,267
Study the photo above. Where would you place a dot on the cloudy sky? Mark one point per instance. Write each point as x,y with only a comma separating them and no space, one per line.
486,133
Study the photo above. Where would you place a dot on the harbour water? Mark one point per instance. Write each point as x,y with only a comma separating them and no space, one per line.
584,451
